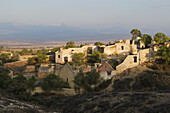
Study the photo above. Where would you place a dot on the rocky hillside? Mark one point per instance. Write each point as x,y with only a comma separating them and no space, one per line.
146,77
143,89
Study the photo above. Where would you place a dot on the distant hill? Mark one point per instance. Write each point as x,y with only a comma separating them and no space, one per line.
61,32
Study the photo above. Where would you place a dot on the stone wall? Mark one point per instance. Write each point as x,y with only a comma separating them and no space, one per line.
110,50
44,74
30,74
67,74
122,48
26,57
146,55
15,64
127,63
143,55
30,68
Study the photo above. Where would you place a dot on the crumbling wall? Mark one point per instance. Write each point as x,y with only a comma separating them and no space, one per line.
127,63
15,64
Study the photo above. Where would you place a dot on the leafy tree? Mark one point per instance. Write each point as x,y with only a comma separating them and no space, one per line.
78,58
5,79
96,57
18,85
41,58
98,43
164,52
113,63
146,39
32,60
79,82
55,49
42,51
161,38
103,56
136,33
1,48
92,78
4,57
85,82
70,44
31,83
81,45
53,82
24,52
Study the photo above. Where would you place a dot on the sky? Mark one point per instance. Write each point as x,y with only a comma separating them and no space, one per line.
151,16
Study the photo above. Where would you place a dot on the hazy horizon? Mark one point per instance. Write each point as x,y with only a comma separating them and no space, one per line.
82,20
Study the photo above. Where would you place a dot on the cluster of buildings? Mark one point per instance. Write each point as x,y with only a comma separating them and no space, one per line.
134,49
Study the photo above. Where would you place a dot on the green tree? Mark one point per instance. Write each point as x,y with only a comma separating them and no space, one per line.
70,44
146,39
5,79
81,45
161,38
32,60
53,82
94,57
31,83
24,52
136,33
98,43
79,82
78,58
55,49
18,85
4,57
86,83
113,63
164,53
92,78
1,48
42,51
42,58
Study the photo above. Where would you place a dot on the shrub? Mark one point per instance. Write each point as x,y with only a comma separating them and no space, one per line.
53,82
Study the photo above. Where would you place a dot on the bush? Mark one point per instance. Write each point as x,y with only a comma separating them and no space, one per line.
84,83
53,82
103,85
113,63
5,79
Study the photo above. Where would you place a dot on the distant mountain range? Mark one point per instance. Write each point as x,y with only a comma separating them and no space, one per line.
9,31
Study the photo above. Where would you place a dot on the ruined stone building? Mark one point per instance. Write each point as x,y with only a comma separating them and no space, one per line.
64,71
45,70
65,55
106,71
122,47
143,55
